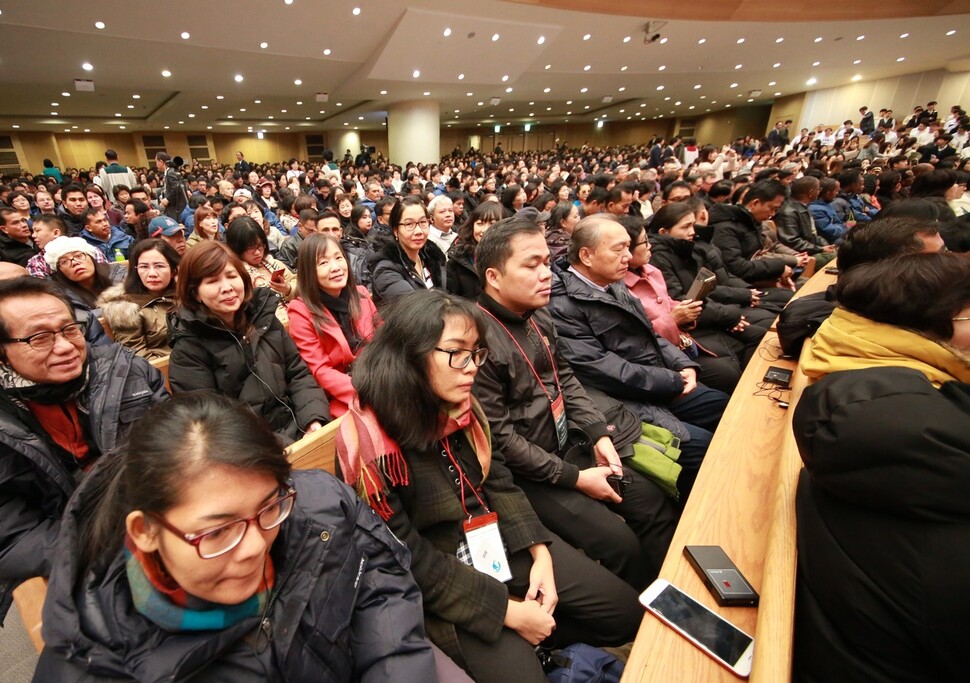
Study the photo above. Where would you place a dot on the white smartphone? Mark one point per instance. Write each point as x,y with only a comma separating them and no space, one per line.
721,640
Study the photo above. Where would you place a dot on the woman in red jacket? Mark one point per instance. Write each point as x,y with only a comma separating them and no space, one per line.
331,317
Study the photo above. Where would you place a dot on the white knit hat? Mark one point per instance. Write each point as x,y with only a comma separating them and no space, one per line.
59,247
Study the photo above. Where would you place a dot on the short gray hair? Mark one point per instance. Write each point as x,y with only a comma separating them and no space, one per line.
588,233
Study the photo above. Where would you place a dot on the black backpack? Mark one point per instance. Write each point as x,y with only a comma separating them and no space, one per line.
800,319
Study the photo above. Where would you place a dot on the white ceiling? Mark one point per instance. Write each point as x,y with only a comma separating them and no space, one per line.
373,57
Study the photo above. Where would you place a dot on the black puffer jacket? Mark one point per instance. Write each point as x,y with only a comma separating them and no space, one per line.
611,345
263,369
883,528
344,608
393,272
462,277
37,476
738,236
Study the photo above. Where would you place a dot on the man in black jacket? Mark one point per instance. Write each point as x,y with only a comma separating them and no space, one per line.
607,336
796,228
528,392
62,406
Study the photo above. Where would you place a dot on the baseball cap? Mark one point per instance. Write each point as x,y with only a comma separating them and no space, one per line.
533,214
164,226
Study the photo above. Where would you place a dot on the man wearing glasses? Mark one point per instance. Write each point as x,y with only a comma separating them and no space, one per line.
63,404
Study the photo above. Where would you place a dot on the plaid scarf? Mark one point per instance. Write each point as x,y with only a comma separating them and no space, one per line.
372,462
159,599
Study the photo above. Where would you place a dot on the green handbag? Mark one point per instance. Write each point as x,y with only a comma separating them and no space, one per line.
655,455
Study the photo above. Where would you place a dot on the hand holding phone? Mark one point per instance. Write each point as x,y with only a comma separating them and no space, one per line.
277,275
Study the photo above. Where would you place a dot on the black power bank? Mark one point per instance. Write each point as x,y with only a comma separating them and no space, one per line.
722,578
778,376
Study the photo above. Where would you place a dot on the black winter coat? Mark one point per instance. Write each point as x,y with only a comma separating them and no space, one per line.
37,476
609,341
393,272
883,528
344,608
263,369
738,236
462,277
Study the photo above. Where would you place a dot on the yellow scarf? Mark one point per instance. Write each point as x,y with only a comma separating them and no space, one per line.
847,341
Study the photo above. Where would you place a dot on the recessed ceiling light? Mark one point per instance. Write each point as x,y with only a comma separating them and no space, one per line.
99,25
263,46
587,67
505,78
15,126
257,101
495,37
738,66
702,41
238,78
623,68
65,94
508,90
327,52
900,59
340,104
568,113
131,106
185,35
181,122
416,74
210,128
53,113
55,104
121,127
220,97
355,11
818,39
426,93
661,67
677,103
205,106
297,82
740,41
360,118
546,89
727,106
383,92
166,73
771,83
229,116
298,102
548,66
858,61
811,81
643,105
242,109
779,40
308,118
776,65
469,94
904,35
568,102
951,32
816,63
626,39
191,116
480,104
87,66
691,106
540,40
857,77
87,130
282,111
733,85
663,41
584,90
697,86
660,87
446,32
860,37
117,113
587,36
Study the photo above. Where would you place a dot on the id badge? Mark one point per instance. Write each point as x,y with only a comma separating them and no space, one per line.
485,545
559,417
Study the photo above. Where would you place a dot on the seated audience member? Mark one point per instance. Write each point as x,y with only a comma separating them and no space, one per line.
889,236
850,206
136,310
106,238
170,232
227,338
562,221
828,222
207,228
409,262
63,404
416,445
674,320
268,222
462,278
331,318
442,213
46,228
16,245
938,186
528,391
737,233
248,241
796,228
607,338
306,226
883,526
189,545
75,270
97,201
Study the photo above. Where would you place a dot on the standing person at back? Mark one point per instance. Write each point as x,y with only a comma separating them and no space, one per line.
115,174
174,194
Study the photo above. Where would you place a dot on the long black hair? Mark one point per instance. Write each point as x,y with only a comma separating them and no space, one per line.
308,286
133,283
391,374
170,443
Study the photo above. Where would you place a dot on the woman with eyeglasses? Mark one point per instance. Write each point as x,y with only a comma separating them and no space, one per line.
417,447
332,317
562,220
74,269
136,310
409,262
248,240
196,553
226,337
462,278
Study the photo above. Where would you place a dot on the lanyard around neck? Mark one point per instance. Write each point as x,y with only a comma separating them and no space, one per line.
552,361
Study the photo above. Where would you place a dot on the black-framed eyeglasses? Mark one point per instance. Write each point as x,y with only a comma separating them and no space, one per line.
223,538
459,358
44,341
411,226
71,259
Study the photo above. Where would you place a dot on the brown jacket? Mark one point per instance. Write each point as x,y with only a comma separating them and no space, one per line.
138,321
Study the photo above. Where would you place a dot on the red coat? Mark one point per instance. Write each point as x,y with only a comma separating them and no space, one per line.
327,353
651,289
